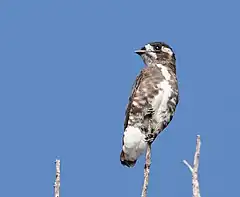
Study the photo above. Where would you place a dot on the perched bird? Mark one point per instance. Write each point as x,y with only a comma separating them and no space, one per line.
152,102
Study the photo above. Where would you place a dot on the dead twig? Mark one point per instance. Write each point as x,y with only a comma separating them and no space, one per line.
194,169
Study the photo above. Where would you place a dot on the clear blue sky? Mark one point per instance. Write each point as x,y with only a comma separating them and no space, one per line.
66,70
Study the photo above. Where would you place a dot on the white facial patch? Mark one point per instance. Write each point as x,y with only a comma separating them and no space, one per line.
149,47
150,50
167,50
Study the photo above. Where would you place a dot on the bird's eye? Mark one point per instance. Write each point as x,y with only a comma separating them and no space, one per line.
157,48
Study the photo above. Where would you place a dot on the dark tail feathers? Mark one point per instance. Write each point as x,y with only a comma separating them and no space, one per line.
125,162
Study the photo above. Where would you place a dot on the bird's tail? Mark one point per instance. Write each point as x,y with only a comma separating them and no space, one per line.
125,161
134,145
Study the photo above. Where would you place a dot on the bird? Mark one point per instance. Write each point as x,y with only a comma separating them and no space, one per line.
152,102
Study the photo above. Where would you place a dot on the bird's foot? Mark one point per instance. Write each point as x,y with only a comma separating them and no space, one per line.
150,138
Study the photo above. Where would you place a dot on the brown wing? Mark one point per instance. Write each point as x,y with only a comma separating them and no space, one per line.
143,93
134,88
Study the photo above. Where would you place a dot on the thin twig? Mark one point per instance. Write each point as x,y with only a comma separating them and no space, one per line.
194,169
57,180
188,165
146,171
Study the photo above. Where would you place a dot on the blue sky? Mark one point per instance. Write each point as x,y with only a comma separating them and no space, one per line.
66,70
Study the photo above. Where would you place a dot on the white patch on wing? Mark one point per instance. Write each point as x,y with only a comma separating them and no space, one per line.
150,50
133,143
142,102
134,103
130,117
167,50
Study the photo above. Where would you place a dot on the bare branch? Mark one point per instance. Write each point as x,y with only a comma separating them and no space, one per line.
194,169
146,171
57,180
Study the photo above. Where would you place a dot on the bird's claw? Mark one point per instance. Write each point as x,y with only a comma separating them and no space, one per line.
150,138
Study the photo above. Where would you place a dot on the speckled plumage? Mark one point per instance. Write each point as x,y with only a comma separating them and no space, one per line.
152,102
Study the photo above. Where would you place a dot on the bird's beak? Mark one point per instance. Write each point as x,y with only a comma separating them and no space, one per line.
140,52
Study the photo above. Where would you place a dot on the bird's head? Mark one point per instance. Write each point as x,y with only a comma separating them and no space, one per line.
156,53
